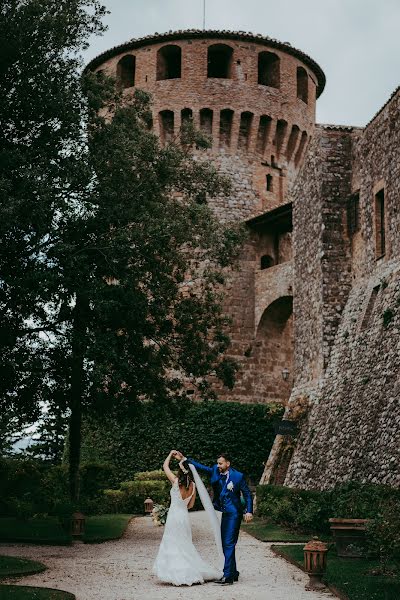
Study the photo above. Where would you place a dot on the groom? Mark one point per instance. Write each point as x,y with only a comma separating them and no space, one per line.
227,484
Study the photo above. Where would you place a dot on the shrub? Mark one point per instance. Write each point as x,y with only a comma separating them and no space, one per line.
157,475
383,533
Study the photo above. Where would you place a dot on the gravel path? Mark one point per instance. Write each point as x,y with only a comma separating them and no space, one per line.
121,569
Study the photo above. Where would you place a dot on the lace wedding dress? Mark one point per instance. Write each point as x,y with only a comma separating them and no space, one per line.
178,562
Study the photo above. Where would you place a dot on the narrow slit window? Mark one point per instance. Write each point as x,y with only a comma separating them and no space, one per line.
225,127
294,136
269,183
206,120
246,120
166,119
380,233
263,133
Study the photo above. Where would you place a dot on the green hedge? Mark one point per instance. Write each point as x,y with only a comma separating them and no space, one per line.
140,440
310,510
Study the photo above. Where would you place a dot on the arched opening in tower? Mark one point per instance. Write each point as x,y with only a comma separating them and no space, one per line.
273,353
186,116
206,120
246,120
225,127
292,143
302,84
169,60
300,150
269,69
166,122
219,61
264,128
126,71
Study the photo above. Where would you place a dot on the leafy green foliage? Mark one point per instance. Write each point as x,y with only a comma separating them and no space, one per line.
140,440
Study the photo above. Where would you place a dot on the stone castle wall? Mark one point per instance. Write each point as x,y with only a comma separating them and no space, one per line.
353,428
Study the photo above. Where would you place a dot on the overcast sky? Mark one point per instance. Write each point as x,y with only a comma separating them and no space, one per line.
356,42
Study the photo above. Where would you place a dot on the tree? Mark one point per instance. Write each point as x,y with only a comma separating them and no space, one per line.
125,259
40,139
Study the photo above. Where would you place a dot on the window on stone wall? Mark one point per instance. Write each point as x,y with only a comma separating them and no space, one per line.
380,234
293,138
246,120
263,133
281,128
269,69
269,183
302,84
225,127
126,71
353,214
370,308
186,115
166,120
266,262
206,120
219,61
169,60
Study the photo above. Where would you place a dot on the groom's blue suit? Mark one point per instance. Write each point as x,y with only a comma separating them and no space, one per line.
228,501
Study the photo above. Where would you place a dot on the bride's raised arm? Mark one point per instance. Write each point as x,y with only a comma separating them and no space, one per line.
171,476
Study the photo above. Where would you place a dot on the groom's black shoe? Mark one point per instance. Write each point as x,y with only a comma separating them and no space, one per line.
236,577
224,581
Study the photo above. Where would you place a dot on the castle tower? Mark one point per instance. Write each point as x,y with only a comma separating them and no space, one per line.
256,97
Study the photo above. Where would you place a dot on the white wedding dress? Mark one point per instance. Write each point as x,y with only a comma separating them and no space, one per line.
177,561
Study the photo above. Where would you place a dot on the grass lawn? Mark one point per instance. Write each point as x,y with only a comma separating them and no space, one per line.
25,592
351,577
47,530
271,532
11,566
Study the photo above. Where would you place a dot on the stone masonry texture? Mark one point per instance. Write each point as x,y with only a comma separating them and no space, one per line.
317,289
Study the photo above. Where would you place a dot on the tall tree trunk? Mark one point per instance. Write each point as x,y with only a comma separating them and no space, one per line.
77,389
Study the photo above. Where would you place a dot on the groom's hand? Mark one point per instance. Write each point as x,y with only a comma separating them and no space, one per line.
248,517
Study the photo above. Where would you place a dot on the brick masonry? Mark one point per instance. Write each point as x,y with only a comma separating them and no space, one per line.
325,305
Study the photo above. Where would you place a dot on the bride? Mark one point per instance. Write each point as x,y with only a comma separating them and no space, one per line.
177,561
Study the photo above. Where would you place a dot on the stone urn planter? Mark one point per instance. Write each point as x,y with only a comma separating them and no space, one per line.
349,536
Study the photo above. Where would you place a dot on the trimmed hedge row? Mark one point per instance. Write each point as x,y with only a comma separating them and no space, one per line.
310,510
140,440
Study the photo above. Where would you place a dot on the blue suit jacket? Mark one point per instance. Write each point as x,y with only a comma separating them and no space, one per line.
227,500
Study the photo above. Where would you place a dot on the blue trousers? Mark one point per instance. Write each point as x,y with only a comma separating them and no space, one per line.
230,525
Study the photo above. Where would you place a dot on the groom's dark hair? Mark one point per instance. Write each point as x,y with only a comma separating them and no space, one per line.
226,456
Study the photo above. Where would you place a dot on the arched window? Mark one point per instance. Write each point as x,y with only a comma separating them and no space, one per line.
225,127
186,115
219,61
293,138
301,147
206,120
166,120
246,120
280,135
266,262
302,84
263,133
269,69
169,59
126,71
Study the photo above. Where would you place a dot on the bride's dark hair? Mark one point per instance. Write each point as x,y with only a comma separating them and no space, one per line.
185,478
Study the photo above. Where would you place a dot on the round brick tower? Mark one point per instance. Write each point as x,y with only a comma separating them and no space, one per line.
256,97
